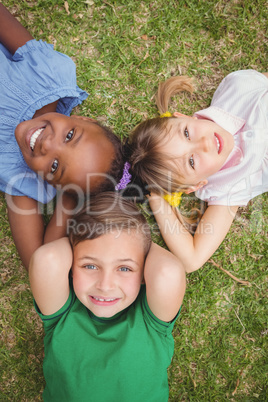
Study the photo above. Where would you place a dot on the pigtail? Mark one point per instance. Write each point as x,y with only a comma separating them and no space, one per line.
171,87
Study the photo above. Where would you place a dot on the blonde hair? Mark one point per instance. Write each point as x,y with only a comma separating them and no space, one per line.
148,162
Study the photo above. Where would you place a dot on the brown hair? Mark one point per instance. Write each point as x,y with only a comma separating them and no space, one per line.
148,162
108,213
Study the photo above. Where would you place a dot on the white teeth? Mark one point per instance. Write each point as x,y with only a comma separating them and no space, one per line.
218,143
34,137
102,300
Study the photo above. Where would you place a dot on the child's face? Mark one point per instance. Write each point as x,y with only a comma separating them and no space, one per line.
200,146
108,272
65,150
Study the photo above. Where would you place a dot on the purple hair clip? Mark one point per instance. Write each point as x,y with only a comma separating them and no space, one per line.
126,178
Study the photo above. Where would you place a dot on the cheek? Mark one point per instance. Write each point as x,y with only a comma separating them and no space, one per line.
38,166
79,282
132,288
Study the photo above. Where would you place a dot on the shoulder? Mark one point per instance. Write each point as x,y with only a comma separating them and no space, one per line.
50,321
39,57
156,324
240,83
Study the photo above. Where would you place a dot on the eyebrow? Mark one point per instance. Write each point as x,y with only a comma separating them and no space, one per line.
127,260
93,259
76,140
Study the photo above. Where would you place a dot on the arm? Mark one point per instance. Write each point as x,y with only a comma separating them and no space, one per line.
12,33
57,225
165,283
193,251
27,225
48,272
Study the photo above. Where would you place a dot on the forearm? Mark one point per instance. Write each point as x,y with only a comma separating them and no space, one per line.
57,226
12,33
193,251
177,238
27,226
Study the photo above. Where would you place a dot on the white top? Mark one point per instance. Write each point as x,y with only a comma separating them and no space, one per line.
240,106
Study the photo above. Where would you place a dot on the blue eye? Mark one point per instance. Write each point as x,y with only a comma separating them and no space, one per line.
124,269
191,162
90,266
69,136
54,166
186,133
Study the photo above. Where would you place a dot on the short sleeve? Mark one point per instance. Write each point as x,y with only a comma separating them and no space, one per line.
165,328
50,321
238,86
41,76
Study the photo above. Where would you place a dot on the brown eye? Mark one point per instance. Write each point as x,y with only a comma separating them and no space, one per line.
69,136
54,166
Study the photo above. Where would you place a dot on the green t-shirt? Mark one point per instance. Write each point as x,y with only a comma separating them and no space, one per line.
119,359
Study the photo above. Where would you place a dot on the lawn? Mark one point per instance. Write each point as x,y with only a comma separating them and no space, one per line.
122,49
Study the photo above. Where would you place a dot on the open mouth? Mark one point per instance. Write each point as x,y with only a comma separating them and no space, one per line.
34,137
104,301
218,143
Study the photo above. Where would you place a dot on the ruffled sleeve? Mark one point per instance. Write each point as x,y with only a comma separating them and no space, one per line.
41,76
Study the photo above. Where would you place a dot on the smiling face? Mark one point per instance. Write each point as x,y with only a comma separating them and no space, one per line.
108,272
65,150
200,147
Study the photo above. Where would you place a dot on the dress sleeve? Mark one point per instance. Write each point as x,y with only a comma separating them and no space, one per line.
245,87
49,76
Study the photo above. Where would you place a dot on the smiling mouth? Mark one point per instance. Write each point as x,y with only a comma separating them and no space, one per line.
218,143
34,137
103,300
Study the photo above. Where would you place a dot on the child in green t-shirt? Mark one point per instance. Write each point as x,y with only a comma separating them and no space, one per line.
108,325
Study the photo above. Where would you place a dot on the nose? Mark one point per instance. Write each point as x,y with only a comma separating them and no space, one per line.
204,144
105,281
48,143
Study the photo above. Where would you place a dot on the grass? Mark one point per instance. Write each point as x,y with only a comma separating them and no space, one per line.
122,49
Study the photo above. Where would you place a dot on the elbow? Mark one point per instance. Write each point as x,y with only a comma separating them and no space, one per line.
46,261
166,274
192,267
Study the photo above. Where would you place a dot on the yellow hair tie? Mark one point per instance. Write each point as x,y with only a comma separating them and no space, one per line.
173,199
166,114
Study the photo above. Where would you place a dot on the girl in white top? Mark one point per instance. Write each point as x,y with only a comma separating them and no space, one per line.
221,153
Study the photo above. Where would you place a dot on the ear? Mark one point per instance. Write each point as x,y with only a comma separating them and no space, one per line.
196,187
177,114
85,118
